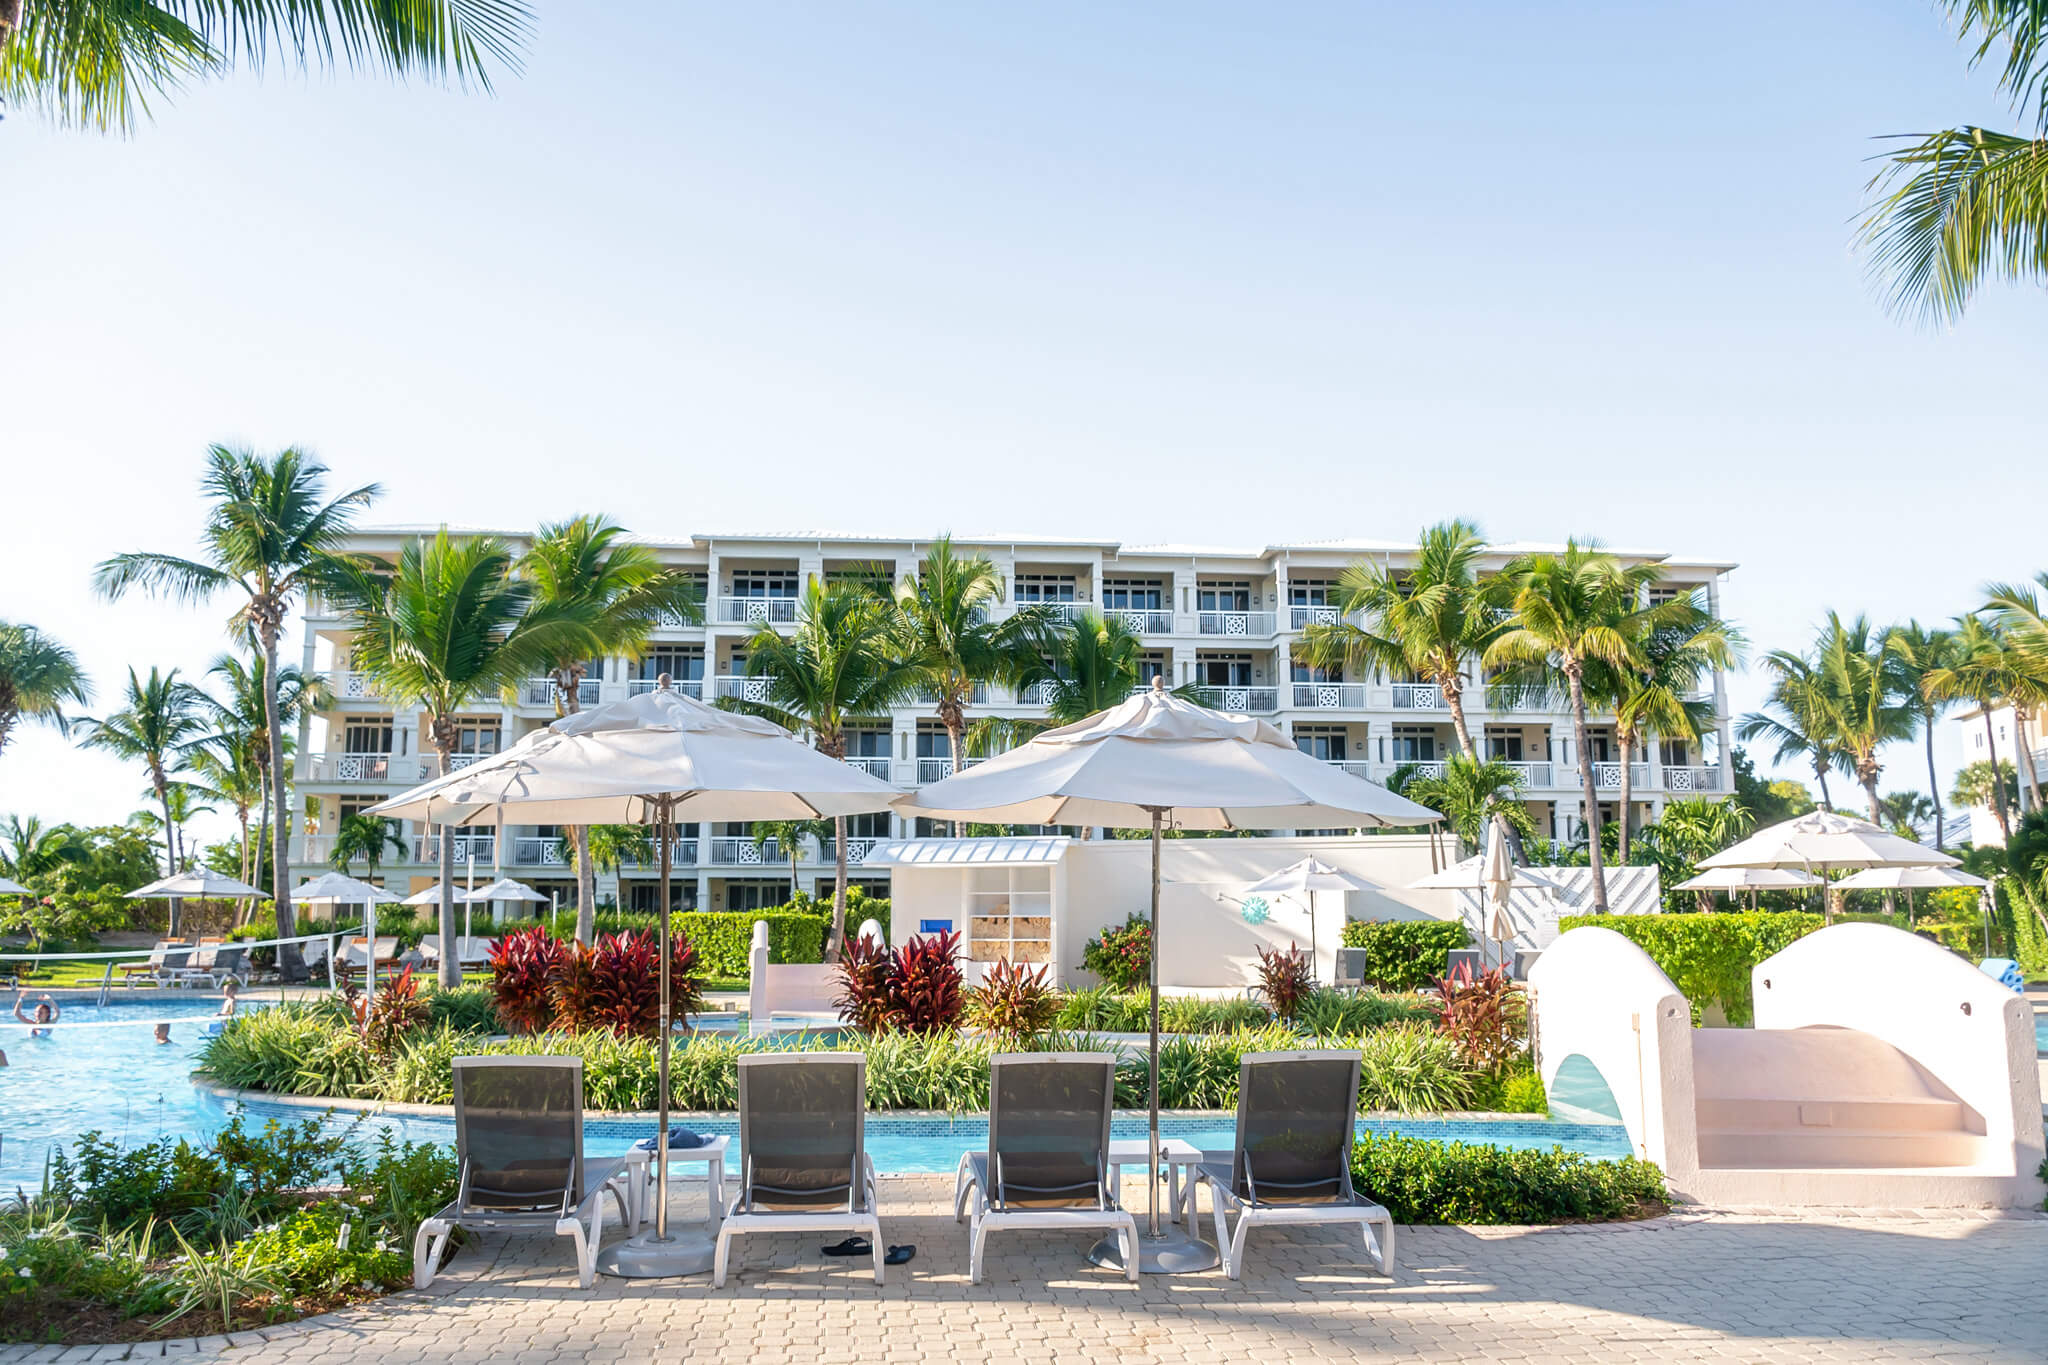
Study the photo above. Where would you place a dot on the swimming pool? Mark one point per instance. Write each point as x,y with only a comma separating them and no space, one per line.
117,1080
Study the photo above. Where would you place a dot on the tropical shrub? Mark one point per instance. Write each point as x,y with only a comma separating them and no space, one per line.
1013,1002
290,1049
924,984
1405,955
1486,1018
396,1010
1188,1014
473,1009
1709,957
1102,1009
865,967
1286,978
614,983
1122,957
724,938
1325,1013
317,1250
523,966
1515,1089
1423,1181
1412,1069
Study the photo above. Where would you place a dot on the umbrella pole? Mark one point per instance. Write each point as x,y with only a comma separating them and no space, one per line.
661,831
1154,1154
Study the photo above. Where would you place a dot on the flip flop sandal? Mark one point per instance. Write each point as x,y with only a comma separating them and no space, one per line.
899,1255
852,1246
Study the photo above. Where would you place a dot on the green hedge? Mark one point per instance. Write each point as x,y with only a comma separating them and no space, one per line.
1423,1181
1708,957
722,938
1404,955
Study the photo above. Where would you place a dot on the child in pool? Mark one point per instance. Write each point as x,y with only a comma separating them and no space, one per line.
46,1013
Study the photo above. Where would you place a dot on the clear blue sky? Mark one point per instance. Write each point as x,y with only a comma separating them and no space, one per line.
1172,271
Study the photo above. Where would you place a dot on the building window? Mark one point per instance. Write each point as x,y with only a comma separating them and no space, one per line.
1045,587
1413,744
1301,671
1674,753
367,737
1599,747
763,583
873,825
1504,746
867,743
644,897
679,663
1131,594
1310,592
1224,596
1150,666
934,744
476,736
1326,742
756,895
1224,670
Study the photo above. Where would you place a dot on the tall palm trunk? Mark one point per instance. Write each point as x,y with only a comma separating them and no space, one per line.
833,745
2032,777
1820,775
1997,782
1453,688
1627,746
449,973
163,797
1933,780
291,965
262,832
953,715
1867,776
569,688
1574,675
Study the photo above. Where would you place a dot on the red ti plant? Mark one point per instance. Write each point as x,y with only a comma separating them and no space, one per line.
613,984
1487,1017
924,985
396,1011
521,966
1286,978
865,968
1014,1002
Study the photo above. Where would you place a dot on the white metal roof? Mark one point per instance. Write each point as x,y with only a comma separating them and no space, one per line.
1039,851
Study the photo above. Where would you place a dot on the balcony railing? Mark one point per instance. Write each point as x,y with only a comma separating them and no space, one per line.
744,852
1533,774
1248,624
349,685
1697,778
1303,615
1357,767
1064,611
857,851
977,695
1607,776
933,770
1329,696
1420,767
1036,694
681,853
756,610
742,686
874,765
1243,700
535,851
1141,620
467,848
689,687
542,692
1415,696
405,769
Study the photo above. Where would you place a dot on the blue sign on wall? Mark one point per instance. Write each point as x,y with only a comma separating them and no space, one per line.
935,926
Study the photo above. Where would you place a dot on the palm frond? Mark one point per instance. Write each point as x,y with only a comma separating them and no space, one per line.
1955,210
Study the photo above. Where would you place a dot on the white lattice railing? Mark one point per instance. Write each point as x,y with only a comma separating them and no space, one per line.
541,692
756,610
874,765
1329,696
1694,778
1247,624
1607,776
1415,696
689,687
1141,620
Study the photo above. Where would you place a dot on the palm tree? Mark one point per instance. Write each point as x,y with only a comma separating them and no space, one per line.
1904,812
1570,611
450,623
1095,664
1987,675
1662,694
99,63
38,676
365,837
947,633
1922,652
183,799
1422,622
788,836
1869,697
837,664
158,727
1473,791
228,772
2015,610
1966,205
1974,785
1798,717
583,566
611,845
1691,828
240,721
30,850
269,536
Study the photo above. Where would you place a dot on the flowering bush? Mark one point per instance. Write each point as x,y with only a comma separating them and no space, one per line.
1122,957
522,965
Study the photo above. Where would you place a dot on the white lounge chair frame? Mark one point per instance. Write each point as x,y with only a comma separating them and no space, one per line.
1347,1206
858,1215
576,1212
974,1197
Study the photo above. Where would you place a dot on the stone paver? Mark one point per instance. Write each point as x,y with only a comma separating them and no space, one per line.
1710,1286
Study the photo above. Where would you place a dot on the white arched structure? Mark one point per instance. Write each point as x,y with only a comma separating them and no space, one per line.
1883,1071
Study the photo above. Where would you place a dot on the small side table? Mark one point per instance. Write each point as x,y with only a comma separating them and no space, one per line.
711,1156
1179,1157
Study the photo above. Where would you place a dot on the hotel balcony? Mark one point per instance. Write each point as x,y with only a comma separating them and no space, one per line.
543,692
874,765
1249,625
1416,696
480,849
1327,696
929,770
1301,617
1063,611
348,685
403,770
689,687
1704,778
754,611
1141,620
1249,701
742,686
1607,776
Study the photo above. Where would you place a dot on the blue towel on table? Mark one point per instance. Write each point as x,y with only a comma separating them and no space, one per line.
678,1136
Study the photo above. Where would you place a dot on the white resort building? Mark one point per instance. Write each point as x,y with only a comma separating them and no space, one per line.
1227,619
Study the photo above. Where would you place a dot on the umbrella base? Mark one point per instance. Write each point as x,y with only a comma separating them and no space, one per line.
648,1257
1172,1252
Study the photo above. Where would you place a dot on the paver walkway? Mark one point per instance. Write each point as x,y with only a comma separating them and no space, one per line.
1697,1286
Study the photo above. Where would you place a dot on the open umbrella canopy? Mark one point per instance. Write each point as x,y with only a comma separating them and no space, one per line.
1824,839
430,896
1749,879
1908,879
1158,752
1470,873
608,765
200,883
1310,874
13,888
340,889
503,889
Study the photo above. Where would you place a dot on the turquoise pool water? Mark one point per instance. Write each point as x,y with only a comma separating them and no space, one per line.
117,1080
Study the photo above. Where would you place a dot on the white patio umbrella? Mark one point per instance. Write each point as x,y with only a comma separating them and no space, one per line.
1301,881
1734,880
1909,880
14,888
200,883
502,889
650,759
338,888
1134,765
1823,841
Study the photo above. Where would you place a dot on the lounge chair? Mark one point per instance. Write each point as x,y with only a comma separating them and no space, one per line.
1047,1163
198,967
803,1153
519,1149
469,952
355,957
1291,1161
1350,972
230,962
154,970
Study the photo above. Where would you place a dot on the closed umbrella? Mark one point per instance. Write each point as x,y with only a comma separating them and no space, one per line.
1154,756
1497,880
1301,881
650,759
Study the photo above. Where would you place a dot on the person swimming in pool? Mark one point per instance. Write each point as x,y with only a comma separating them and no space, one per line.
228,995
163,1033
46,1012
